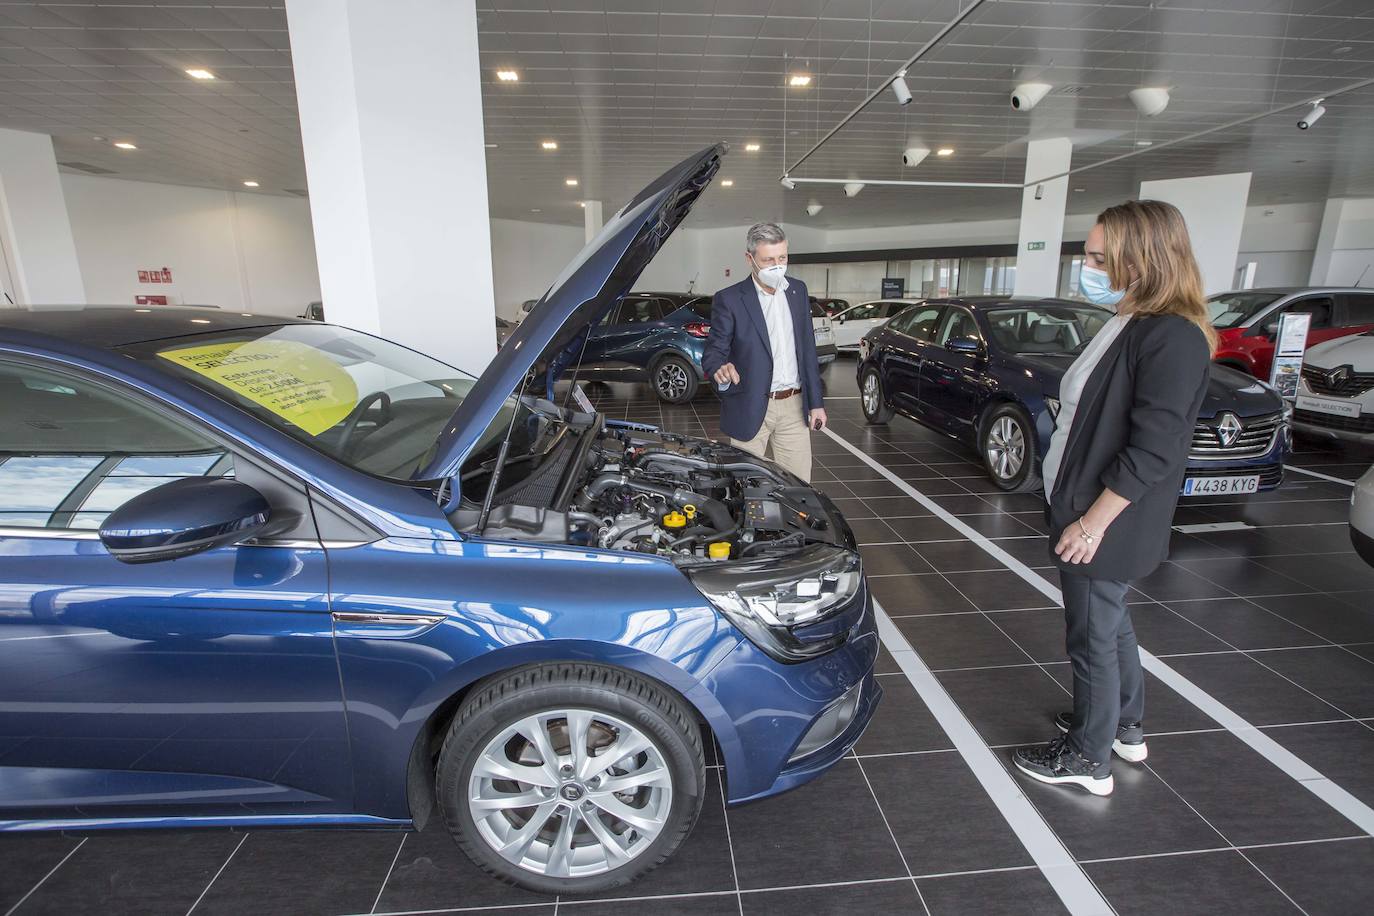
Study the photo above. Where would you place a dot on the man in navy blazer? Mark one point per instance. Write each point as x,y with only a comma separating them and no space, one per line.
761,354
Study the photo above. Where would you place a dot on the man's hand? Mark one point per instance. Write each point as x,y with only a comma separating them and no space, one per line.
817,418
726,375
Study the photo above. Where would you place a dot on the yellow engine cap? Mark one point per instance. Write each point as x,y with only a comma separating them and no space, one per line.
674,520
719,550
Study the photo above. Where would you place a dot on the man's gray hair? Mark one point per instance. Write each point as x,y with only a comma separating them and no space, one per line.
763,234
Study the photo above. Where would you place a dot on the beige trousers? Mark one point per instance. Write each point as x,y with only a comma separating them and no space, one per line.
784,428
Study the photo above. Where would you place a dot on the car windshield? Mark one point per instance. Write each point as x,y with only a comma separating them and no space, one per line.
1231,310
1045,329
371,404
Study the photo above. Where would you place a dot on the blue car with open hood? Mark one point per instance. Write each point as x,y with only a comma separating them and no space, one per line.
261,571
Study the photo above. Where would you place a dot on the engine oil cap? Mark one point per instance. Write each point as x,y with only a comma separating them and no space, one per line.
674,519
719,550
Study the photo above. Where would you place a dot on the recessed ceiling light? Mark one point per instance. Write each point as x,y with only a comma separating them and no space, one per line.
491,145
142,310
124,144
751,147
1078,190
200,321
728,183
582,203
1343,49
945,151
508,76
536,210
250,183
199,74
549,144
1144,143
570,182
800,79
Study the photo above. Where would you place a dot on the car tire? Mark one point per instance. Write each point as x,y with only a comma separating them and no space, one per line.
875,407
496,734
1006,444
674,380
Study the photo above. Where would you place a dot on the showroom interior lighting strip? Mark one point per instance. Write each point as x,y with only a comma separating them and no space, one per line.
1347,805
882,87
910,184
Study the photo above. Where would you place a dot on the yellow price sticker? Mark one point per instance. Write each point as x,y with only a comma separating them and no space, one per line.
293,380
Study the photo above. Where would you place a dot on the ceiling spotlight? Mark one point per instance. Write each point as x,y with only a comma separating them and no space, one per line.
491,145
124,144
1144,143
813,208
945,151
570,182
549,144
508,76
1078,190
582,204
1343,49
800,79
1040,192
1150,102
788,183
1312,116
250,183
1027,95
751,147
914,156
900,89
536,210
200,74
727,183
852,188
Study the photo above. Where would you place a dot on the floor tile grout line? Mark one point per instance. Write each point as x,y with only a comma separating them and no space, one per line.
1210,849
225,864
1302,470
1265,875
730,843
52,871
906,866
381,891
1287,762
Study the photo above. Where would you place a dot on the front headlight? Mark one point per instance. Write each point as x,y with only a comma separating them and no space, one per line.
769,599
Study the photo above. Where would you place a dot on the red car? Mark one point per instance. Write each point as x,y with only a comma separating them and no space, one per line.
1247,320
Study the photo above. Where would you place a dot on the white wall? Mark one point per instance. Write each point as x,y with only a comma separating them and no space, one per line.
1213,206
1281,239
526,258
39,264
252,252
1345,250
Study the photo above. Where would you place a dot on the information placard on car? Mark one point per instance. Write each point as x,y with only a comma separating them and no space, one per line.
1221,486
1325,405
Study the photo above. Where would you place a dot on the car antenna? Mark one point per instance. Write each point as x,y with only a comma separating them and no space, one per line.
1362,273
500,462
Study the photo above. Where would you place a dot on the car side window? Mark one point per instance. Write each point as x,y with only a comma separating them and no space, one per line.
640,311
957,324
1359,308
918,321
1319,307
73,451
863,312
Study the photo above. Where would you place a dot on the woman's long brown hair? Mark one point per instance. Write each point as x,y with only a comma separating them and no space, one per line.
1151,236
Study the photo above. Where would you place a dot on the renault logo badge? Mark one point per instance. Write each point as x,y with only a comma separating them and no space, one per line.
1228,430
1335,378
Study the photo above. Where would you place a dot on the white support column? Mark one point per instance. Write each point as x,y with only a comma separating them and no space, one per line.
390,105
591,218
1345,245
1042,219
35,231
1213,206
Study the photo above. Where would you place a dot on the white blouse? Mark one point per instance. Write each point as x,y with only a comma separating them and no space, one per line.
1071,392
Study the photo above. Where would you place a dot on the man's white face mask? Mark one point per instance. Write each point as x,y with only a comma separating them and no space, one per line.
772,276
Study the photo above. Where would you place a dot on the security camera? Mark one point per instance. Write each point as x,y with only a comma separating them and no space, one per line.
1150,102
813,208
912,156
852,188
900,90
788,183
1027,95
1311,117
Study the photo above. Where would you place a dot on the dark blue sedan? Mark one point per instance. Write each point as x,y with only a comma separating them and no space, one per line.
986,370
261,571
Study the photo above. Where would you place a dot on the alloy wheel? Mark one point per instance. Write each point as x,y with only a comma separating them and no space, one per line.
671,380
1006,447
872,396
570,793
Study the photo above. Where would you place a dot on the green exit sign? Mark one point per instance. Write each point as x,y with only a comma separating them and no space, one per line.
1035,246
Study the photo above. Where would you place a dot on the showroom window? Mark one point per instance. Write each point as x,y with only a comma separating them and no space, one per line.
74,451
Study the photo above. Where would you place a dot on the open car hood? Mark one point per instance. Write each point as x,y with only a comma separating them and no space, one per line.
587,289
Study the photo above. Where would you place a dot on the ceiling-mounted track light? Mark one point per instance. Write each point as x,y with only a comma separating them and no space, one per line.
1150,102
1312,116
900,89
788,183
853,188
1027,95
813,208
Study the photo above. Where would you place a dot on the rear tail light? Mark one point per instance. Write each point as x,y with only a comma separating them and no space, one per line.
697,328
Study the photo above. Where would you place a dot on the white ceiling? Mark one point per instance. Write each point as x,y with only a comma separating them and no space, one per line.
626,87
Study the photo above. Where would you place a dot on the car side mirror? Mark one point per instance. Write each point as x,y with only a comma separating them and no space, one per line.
184,517
970,346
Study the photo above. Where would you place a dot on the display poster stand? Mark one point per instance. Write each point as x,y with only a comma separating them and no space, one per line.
1289,347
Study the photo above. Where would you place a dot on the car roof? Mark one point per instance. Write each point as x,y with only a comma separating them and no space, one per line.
1290,290
110,326
978,303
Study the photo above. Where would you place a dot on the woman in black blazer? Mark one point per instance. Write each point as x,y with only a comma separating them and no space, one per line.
1112,473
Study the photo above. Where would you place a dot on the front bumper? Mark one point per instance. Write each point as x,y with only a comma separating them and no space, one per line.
826,353
1336,427
1268,466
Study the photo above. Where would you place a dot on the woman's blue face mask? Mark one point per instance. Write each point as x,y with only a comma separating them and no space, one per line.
1097,287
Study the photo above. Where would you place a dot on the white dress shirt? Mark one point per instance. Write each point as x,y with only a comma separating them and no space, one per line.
1071,392
782,339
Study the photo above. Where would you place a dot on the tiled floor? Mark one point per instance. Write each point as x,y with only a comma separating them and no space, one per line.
1275,620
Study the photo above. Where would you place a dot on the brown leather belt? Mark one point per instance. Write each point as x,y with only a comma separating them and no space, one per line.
783,394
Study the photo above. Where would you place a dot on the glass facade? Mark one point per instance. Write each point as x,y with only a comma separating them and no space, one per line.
861,281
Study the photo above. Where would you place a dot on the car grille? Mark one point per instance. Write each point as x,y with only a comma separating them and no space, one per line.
1347,385
1362,424
1255,439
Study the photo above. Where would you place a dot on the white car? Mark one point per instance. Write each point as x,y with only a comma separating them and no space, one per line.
1336,390
1362,517
825,335
854,322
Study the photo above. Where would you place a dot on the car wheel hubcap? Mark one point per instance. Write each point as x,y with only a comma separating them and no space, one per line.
570,793
672,381
872,398
1006,448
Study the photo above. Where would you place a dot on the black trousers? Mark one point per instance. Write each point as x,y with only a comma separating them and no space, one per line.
1108,684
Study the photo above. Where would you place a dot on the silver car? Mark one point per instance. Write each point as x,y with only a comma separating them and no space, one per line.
1362,516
